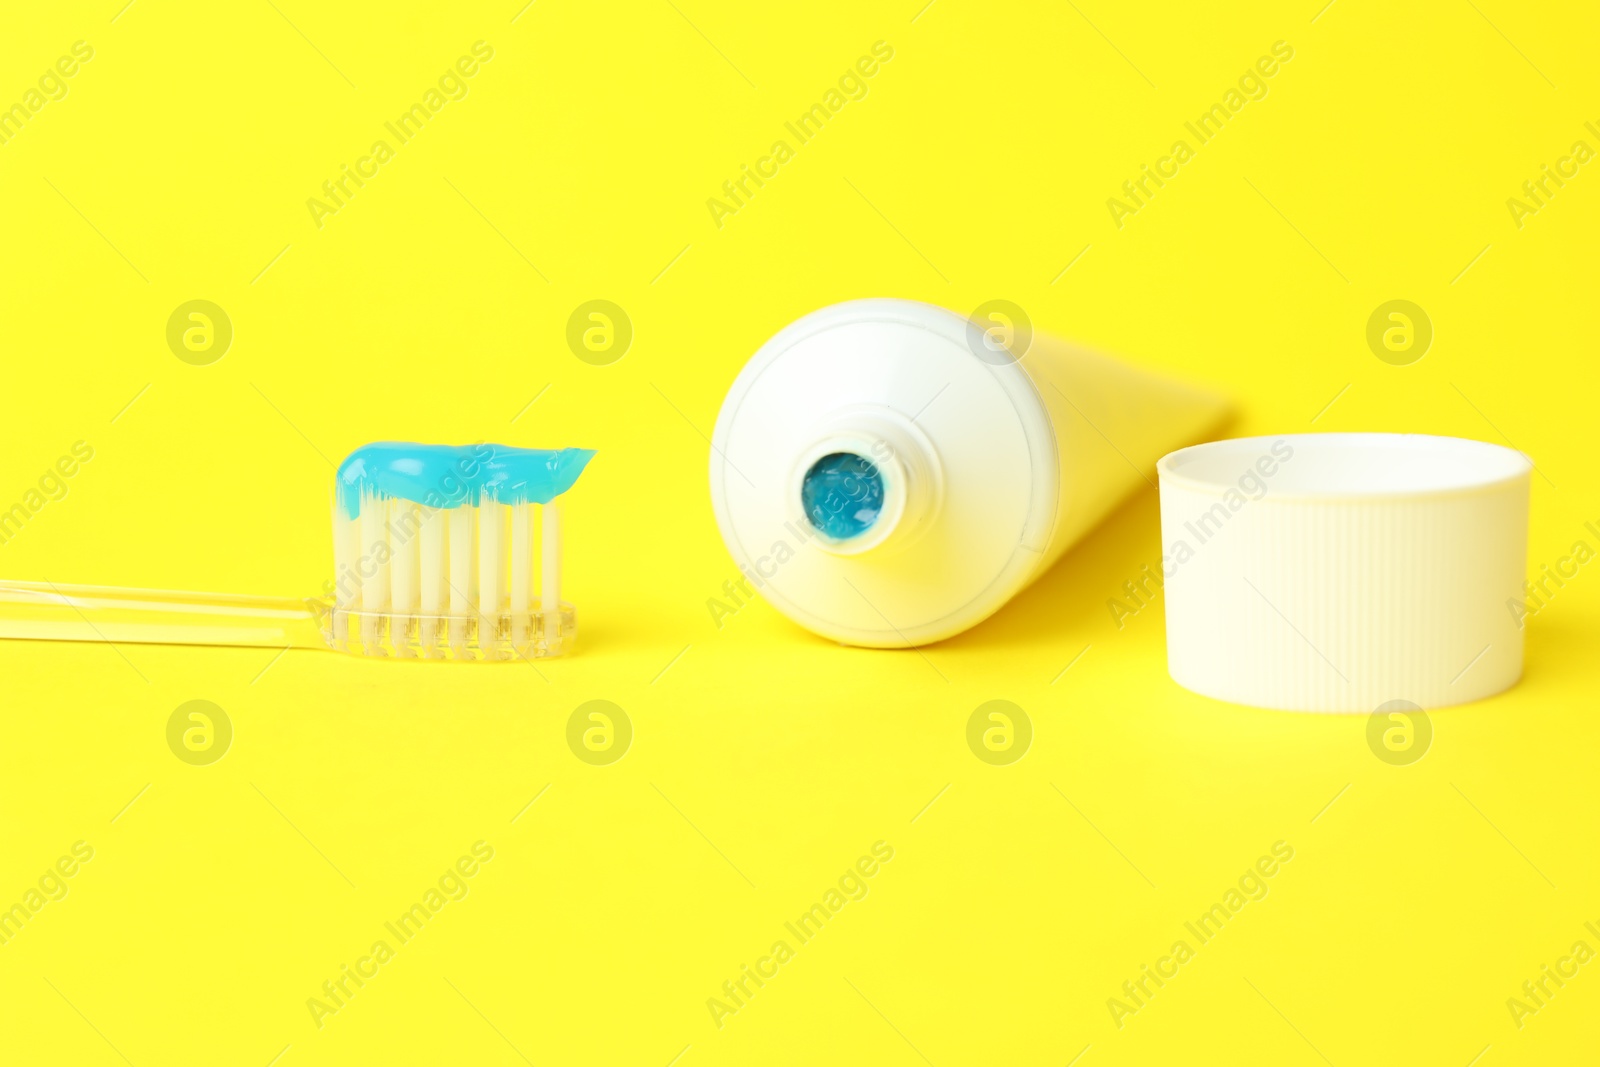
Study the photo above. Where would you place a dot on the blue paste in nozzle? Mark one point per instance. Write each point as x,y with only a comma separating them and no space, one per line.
449,476
842,495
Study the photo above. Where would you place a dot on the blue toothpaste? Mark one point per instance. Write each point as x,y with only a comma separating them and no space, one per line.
450,476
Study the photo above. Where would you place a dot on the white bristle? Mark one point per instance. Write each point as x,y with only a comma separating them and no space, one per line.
463,579
404,593
491,558
431,548
521,573
374,546
491,570
550,579
453,582
405,528
346,590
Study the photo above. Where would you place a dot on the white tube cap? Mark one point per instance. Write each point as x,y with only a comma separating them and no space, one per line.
1338,572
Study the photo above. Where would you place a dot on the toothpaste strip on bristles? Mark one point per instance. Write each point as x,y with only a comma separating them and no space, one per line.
422,554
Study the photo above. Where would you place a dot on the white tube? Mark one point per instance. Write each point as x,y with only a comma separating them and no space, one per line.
978,466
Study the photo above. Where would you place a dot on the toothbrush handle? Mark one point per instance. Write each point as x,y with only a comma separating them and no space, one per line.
46,611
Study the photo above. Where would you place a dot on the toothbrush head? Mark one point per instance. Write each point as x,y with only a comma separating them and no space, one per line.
446,552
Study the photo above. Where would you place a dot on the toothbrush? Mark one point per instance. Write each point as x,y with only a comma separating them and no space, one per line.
423,568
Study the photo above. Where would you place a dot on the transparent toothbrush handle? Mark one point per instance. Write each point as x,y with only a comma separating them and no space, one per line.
45,611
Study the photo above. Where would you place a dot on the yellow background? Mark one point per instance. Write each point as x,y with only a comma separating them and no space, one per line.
765,761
